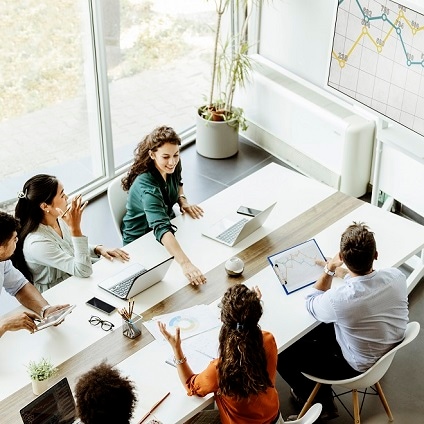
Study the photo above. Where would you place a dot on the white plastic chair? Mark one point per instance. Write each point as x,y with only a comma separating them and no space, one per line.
369,378
311,415
117,199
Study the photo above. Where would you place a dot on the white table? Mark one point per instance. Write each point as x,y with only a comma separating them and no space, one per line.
397,240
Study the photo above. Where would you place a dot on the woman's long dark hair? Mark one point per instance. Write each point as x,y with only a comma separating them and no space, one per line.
242,367
39,189
142,161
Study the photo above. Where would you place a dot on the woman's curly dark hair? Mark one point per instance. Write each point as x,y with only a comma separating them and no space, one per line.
105,397
242,367
142,161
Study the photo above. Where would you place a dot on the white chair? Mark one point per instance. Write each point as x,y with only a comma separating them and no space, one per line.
117,199
311,415
369,378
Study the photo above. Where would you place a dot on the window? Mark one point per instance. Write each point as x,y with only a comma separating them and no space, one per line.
82,82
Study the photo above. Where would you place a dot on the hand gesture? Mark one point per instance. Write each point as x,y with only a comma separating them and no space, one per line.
72,215
193,274
257,291
173,340
337,262
113,253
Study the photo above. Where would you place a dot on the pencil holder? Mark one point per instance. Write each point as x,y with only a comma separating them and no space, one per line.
132,328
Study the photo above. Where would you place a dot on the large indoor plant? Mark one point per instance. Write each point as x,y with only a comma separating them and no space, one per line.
218,120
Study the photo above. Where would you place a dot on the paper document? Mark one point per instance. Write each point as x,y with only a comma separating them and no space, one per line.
296,267
200,350
191,321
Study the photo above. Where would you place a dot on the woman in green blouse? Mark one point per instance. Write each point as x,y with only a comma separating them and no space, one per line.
154,185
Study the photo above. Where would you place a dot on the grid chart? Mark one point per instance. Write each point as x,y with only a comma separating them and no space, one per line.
378,59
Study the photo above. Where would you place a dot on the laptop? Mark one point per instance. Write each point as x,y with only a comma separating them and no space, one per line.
55,405
234,228
134,279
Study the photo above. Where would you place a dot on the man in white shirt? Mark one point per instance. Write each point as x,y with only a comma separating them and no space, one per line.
17,285
362,319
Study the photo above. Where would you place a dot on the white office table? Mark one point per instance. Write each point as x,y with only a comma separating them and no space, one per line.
296,194
305,209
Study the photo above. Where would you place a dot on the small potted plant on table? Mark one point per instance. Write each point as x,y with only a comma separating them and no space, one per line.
41,373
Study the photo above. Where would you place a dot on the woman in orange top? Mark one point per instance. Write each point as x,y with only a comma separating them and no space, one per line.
243,377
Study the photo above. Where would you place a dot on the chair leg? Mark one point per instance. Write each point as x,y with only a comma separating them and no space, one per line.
384,401
308,403
355,399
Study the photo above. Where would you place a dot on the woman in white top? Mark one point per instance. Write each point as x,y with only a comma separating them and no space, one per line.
51,245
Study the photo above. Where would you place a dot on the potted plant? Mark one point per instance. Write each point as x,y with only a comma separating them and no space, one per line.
41,372
219,121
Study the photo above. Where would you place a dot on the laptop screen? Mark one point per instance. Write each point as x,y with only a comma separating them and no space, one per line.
56,405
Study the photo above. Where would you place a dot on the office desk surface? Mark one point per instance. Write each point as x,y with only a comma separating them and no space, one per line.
305,209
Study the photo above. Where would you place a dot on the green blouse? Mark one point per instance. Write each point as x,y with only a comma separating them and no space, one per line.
149,204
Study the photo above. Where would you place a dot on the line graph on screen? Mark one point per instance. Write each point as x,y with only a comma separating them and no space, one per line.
377,59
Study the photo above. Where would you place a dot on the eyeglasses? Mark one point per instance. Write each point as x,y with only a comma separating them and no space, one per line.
105,325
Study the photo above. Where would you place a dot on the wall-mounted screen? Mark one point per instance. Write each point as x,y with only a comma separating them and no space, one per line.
377,59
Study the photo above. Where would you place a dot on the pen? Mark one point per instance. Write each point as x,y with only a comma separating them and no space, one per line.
154,407
67,210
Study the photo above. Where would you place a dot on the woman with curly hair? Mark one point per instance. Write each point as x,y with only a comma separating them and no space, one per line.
243,377
103,396
154,186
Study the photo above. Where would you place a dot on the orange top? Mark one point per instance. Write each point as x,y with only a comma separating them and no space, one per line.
258,409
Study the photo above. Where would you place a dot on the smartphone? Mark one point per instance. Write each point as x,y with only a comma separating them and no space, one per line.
244,210
101,305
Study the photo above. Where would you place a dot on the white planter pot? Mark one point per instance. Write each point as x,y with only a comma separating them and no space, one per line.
39,387
216,140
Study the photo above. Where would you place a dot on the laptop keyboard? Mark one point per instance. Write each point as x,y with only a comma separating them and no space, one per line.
121,289
230,234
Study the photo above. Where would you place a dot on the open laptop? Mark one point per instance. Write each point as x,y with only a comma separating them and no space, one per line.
55,405
234,228
134,279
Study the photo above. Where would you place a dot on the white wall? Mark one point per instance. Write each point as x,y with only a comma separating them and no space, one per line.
297,35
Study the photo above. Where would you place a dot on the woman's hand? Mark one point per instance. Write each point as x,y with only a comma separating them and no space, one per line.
194,211
173,340
112,253
72,215
257,291
193,274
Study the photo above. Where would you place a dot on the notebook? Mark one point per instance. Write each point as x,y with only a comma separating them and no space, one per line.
55,405
234,228
134,279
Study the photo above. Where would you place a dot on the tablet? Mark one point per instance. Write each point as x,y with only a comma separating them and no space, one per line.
55,318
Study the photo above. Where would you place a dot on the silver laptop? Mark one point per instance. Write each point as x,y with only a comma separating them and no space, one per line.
234,228
55,405
134,279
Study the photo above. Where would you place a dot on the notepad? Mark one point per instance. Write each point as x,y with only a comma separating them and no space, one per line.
296,267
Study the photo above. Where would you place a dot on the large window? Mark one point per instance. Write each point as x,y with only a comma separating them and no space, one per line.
81,82
158,65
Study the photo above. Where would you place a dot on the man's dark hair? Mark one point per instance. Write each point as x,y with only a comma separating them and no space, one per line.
8,225
358,248
103,396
